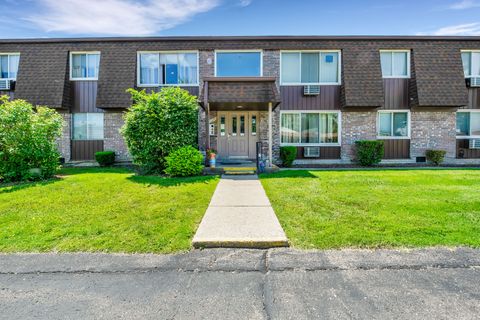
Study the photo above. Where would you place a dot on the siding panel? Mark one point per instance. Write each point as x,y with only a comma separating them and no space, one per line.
396,149
396,94
326,153
85,149
463,152
84,96
293,98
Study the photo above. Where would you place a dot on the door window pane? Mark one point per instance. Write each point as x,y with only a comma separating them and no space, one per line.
329,128
466,59
310,67
242,125
254,125
87,126
291,67
238,64
475,123
234,125
329,67
463,123
290,128
222,126
310,130
385,124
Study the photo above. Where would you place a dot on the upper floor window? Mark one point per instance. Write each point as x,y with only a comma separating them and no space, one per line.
9,65
395,63
393,124
238,64
468,123
84,65
310,67
471,63
167,68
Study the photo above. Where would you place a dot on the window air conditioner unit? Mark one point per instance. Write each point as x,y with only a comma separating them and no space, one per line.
473,82
311,152
311,90
4,84
474,144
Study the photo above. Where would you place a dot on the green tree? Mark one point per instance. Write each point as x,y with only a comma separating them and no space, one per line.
159,123
28,135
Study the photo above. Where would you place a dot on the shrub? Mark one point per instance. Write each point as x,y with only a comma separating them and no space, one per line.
159,123
184,162
105,158
436,156
28,135
369,152
288,155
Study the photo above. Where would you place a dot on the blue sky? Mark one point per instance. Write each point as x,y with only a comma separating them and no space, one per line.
91,18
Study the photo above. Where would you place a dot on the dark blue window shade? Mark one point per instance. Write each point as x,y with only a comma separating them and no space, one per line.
238,64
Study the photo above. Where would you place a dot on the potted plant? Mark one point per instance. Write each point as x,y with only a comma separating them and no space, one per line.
211,156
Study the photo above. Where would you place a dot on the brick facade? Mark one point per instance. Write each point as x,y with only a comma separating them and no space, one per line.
356,126
63,142
113,139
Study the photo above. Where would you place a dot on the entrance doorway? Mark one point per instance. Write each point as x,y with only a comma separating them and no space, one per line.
237,134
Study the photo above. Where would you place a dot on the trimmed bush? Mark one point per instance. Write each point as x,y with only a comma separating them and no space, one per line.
184,162
28,148
369,152
436,156
288,155
159,123
105,158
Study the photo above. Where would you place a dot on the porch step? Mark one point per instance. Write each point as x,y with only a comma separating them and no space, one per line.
239,170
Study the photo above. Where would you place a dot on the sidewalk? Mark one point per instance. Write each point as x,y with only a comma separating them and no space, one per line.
240,215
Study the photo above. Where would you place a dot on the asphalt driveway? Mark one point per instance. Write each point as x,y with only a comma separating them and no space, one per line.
243,284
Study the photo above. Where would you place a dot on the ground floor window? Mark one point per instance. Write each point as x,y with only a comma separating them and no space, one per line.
309,128
393,124
87,126
468,123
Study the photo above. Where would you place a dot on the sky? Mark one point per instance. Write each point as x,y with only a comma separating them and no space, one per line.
98,18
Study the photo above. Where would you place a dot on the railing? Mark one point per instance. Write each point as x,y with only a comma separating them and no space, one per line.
259,157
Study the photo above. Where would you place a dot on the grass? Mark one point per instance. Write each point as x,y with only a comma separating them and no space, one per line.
377,208
108,210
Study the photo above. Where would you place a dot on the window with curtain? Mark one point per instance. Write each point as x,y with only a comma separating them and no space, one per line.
165,68
471,63
85,66
468,123
309,128
238,64
393,124
87,126
310,67
395,64
9,66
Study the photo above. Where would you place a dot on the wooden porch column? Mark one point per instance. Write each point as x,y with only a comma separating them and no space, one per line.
270,138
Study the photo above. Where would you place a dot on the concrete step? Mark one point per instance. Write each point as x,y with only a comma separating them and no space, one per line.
239,170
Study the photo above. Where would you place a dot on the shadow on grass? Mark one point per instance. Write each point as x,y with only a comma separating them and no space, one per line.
164,181
17,186
288,174
70,171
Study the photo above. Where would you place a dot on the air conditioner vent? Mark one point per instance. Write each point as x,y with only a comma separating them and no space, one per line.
473,82
4,84
474,144
311,152
311,90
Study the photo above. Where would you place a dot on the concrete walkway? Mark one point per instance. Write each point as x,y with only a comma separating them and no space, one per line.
240,215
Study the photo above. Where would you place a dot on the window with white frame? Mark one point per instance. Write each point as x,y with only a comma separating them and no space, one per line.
84,65
310,67
238,63
9,65
309,128
167,68
393,124
395,63
87,126
468,123
471,63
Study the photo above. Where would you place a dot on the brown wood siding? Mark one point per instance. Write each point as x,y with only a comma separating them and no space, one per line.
473,99
293,98
396,94
463,152
396,149
84,96
326,153
85,149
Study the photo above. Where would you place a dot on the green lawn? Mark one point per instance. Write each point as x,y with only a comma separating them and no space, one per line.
377,208
109,210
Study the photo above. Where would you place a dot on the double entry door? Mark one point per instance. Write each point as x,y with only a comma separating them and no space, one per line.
237,134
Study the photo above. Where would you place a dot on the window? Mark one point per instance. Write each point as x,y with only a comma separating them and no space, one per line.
87,126
238,64
254,125
84,65
222,126
395,63
471,63
393,124
309,128
9,65
310,67
167,68
468,123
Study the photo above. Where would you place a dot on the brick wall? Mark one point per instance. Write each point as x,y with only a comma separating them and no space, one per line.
113,139
357,126
63,142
